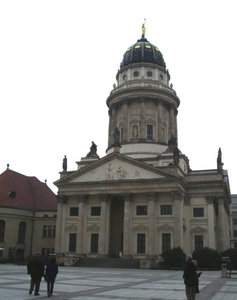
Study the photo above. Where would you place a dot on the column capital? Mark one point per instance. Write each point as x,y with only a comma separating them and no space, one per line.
187,200
62,199
104,197
210,199
127,196
81,198
177,195
152,196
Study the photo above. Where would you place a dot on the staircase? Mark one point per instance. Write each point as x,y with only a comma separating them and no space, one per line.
119,263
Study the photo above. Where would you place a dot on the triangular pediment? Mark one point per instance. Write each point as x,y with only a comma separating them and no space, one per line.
114,167
198,229
140,227
93,228
71,227
165,228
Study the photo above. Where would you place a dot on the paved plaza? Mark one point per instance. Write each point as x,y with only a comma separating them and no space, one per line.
109,284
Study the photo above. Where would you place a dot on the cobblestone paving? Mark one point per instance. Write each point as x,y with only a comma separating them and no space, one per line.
111,284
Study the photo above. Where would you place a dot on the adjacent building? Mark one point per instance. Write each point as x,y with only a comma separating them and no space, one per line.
28,210
142,198
233,222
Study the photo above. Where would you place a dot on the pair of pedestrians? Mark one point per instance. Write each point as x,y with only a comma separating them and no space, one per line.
37,270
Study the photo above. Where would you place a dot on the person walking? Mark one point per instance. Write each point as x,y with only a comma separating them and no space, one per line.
35,268
50,275
190,278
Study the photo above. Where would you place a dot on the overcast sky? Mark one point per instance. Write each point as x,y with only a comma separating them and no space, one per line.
59,59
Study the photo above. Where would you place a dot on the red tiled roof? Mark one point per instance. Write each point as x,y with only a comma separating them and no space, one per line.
30,192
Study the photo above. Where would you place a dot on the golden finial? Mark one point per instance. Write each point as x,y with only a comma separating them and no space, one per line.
143,29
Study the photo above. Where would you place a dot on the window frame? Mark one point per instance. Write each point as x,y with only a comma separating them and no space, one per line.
94,243
166,210
141,210
73,211
149,131
95,211
141,243
72,245
198,212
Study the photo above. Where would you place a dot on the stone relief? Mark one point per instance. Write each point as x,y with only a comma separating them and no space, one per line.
114,172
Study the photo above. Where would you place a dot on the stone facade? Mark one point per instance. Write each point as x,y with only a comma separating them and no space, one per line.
142,198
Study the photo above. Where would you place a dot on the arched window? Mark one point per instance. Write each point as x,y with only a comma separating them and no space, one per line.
2,230
22,233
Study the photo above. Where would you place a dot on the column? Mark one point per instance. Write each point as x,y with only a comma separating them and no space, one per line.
142,119
210,218
151,223
172,130
175,124
59,222
112,126
125,122
178,219
160,129
80,226
126,224
221,225
103,221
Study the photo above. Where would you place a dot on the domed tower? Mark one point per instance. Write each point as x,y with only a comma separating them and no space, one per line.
143,105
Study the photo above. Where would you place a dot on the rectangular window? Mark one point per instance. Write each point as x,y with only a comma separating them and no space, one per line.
142,210
166,242
95,211
235,245
54,230
141,243
73,211
72,242
198,212
121,134
94,242
50,231
234,221
198,242
43,252
235,233
150,132
166,209
45,231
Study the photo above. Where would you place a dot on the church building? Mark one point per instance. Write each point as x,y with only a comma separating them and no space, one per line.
142,198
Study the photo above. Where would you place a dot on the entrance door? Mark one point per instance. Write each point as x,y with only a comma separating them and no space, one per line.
116,226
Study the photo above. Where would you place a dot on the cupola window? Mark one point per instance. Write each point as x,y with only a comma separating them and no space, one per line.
149,74
135,74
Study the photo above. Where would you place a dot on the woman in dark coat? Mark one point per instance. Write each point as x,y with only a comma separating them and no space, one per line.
50,275
190,278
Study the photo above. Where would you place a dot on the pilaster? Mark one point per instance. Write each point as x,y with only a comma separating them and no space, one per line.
60,223
126,224
151,223
103,218
178,219
80,227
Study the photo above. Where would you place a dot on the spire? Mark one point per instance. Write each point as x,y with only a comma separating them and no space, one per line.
144,29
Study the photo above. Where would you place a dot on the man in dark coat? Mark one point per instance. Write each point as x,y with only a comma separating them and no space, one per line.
35,268
190,278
